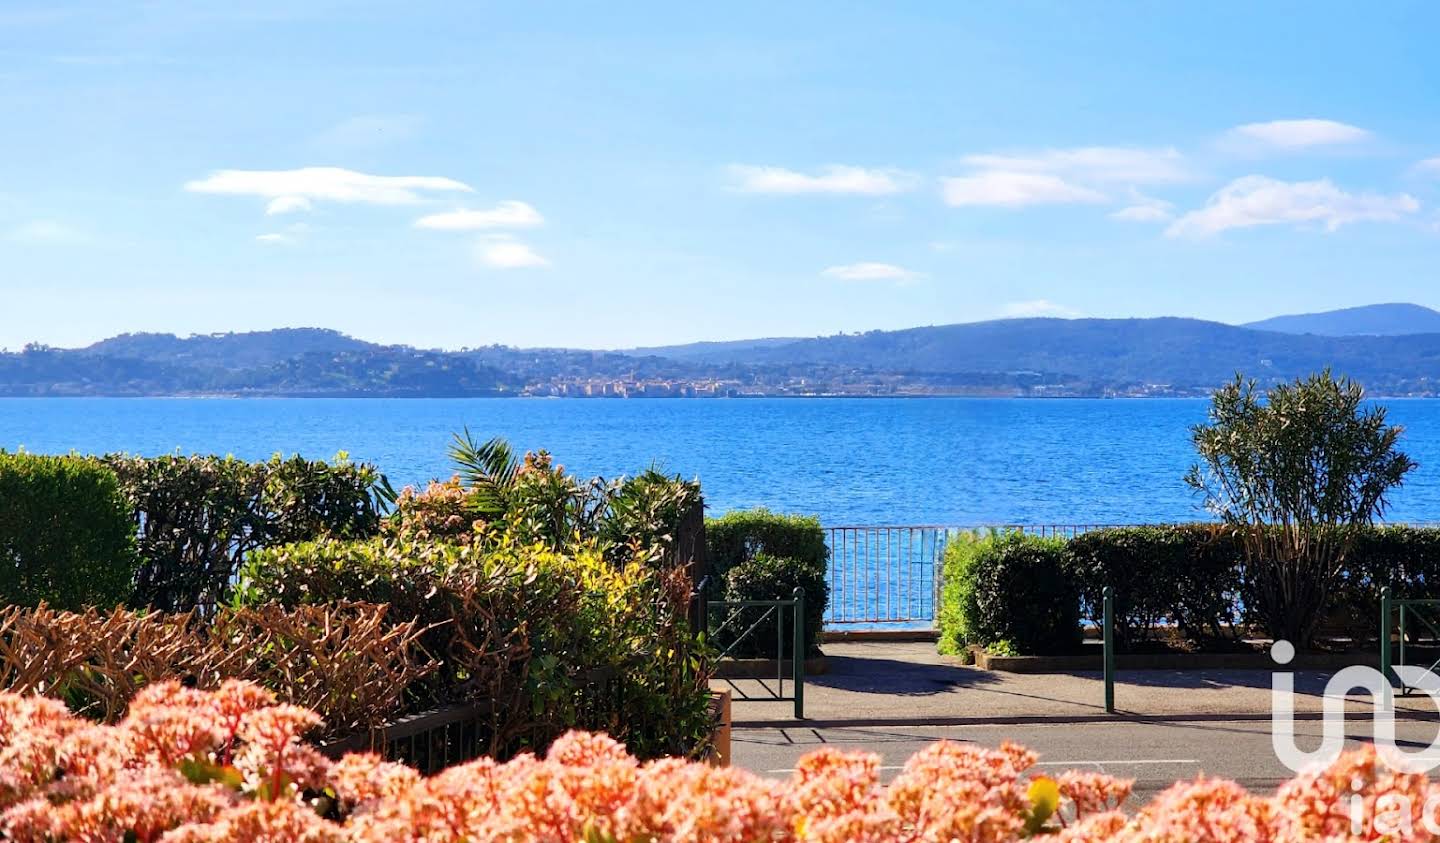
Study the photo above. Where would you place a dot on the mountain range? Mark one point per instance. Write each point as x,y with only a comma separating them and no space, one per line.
1394,349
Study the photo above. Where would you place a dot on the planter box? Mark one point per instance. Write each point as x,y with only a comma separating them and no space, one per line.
1168,661
720,737
766,668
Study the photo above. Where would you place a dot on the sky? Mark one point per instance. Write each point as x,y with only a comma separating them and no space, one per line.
610,175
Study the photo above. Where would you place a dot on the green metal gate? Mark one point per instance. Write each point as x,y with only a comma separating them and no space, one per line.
740,622
1407,619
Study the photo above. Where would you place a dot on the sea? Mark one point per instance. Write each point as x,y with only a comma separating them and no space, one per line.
851,461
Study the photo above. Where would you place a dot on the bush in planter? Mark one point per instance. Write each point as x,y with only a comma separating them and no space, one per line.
766,577
1010,587
66,537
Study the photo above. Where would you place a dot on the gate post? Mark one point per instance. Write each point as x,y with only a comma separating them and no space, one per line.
1385,666
799,652
1109,650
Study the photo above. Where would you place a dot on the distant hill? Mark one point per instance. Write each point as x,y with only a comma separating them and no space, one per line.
698,350
1186,353
1167,356
1373,320
230,350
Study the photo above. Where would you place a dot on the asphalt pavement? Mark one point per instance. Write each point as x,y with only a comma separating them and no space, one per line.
1155,754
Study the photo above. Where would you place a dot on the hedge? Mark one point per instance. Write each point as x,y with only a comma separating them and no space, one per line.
65,533
757,554
1011,592
1186,579
198,516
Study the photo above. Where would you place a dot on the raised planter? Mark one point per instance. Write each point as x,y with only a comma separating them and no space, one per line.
766,668
720,736
1168,661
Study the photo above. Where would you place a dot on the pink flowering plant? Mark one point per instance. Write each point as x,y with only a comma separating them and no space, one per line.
186,766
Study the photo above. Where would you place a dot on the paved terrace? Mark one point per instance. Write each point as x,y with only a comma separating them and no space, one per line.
893,683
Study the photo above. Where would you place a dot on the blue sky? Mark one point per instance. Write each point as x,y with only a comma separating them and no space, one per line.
619,174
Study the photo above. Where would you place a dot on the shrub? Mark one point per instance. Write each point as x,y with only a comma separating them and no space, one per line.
65,533
1186,575
766,577
1010,587
198,516
349,662
957,610
743,534
231,765
523,626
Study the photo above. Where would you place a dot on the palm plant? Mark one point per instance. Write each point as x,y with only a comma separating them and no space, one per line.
489,468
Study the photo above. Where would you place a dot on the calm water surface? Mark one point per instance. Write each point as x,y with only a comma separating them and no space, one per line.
851,461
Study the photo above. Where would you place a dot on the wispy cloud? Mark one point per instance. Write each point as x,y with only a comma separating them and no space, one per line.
1260,200
369,131
1429,167
871,271
1144,208
506,253
1012,189
43,231
835,179
1297,134
507,214
1037,308
329,184
1093,164
287,205
275,238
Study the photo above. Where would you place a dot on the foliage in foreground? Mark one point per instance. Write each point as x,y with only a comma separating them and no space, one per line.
65,533
756,554
349,662
522,626
188,766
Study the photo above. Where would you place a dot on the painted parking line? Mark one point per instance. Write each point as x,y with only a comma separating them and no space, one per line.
1129,761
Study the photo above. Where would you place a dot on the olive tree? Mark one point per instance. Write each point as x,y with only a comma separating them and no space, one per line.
1294,471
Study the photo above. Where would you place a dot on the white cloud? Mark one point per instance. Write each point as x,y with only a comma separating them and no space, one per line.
1299,134
1260,200
287,205
1430,166
1013,189
835,179
508,254
1038,308
275,239
508,214
43,231
871,271
332,184
1144,208
1093,164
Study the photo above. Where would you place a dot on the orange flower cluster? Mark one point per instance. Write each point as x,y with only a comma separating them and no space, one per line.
188,766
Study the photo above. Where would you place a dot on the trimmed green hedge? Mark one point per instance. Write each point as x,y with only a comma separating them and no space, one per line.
1188,579
1011,592
66,537
756,554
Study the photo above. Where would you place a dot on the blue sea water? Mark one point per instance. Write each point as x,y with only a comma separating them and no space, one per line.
959,461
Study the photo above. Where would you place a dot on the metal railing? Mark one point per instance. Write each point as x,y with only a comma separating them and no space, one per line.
891,575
